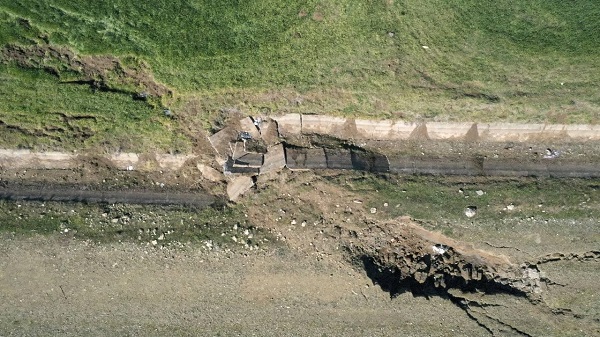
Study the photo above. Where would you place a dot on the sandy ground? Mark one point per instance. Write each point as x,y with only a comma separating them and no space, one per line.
56,287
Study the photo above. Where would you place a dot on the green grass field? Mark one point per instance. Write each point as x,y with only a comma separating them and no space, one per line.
441,60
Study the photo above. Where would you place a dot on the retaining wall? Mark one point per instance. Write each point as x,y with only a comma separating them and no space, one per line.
295,124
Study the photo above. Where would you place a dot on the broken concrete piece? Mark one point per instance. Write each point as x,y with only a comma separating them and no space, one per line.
210,173
247,125
220,141
249,160
238,149
268,131
274,159
305,159
238,186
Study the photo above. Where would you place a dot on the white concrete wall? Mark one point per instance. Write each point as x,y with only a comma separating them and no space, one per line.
326,125
36,160
290,124
439,130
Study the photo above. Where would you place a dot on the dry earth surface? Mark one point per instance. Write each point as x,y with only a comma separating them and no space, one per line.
330,262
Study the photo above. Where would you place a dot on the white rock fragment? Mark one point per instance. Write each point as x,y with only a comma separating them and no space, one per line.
373,210
439,249
480,192
510,207
470,211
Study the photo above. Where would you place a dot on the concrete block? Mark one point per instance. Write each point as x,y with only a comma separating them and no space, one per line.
247,125
221,140
339,159
274,159
305,159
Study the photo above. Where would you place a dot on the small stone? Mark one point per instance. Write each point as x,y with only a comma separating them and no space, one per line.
510,207
115,220
471,211
161,237
373,210
154,242
385,204
480,192
293,222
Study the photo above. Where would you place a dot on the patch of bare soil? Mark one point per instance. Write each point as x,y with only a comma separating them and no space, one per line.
493,288
104,72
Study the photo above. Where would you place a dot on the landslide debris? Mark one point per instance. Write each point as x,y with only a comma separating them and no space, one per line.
401,256
103,72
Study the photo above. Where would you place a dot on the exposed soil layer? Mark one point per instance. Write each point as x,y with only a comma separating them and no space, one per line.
404,256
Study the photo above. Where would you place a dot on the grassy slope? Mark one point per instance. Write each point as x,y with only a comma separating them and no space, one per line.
491,60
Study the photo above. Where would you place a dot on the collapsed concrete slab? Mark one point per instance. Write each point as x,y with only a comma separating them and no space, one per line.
339,159
247,125
221,140
368,161
238,186
254,160
274,159
305,159
269,131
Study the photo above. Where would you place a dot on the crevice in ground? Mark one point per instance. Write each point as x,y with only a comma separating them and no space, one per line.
401,256
593,255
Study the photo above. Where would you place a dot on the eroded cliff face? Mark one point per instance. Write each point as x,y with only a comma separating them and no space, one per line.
402,256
